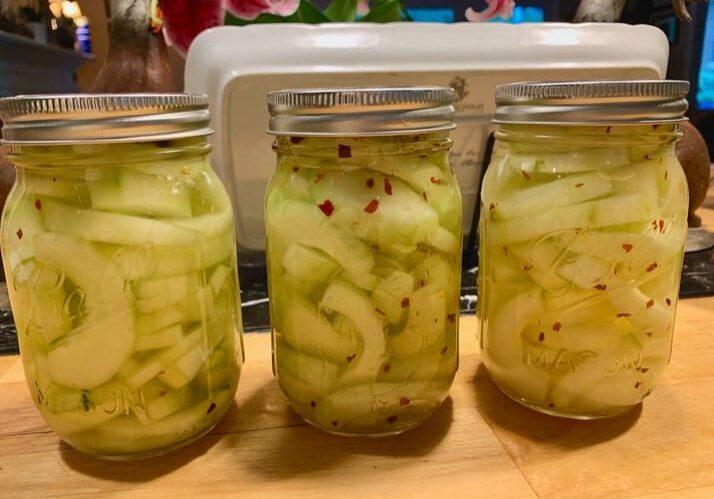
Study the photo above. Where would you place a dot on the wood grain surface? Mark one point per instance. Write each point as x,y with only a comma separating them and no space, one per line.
479,444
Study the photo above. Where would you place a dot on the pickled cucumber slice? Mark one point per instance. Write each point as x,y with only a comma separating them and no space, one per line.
24,221
155,294
344,299
103,341
311,376
160,339
392,295
425,324
502,339
308,264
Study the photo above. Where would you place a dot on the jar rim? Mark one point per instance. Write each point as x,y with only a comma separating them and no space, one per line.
53,119
588,102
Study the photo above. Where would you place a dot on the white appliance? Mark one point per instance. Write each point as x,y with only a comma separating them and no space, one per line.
237,66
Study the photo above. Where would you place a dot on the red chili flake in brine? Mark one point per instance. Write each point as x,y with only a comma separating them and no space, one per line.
370,183
211,408
648,156
387,187
600,287
451,318
319,177
650,303
313,404
444,350
296,169
557,326
627,247
655,126
19,233
644,369
296,140
162,393
666,174
525,175
344,151
372,206
668,301
334,423
661,225
350,358
327,207
492,207
505,250
649,335
391,419
423,194
527,266
386,368
405,302
608,129
404,401
651,267
54,179
579,185
541,336
38,204
624,314
435,180
638,384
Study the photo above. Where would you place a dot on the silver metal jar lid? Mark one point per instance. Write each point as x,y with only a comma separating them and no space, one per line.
591,102
361,111
105,118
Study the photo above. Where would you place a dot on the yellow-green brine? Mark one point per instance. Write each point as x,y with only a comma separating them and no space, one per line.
120,256
583,222
363,218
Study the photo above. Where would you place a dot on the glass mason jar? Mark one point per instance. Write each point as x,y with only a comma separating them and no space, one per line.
363,219
581,243
119,250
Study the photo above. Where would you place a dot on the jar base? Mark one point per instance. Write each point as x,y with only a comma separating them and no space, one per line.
613,412
396,431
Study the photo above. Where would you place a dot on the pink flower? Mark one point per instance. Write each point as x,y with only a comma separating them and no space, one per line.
250,9
185,19
496,8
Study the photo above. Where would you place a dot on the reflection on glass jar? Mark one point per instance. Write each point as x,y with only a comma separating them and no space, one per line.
121,262
364,252
581,244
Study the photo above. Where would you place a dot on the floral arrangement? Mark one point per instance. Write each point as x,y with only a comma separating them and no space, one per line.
183,21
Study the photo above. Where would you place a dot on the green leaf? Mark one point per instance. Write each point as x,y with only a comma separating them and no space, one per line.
306,13
342,10
384,11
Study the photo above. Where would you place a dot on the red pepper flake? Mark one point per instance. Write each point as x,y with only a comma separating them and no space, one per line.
648,156
211,408
334,423
162,393
386,368
344,151
527,266
423,156
541,336
579,185
54,179
655,126
608,129
350,358
19,233
319,177
661,225
405,302
627,247
638,384
654,224
391,419
38,204
379,311
404,401
651,267
624,314
372,206
551,405
313,404
370,183
327,207
650,303
161,372
435,180
444,350
387,187
557,326
644,369
423,194
296,169
600,287
666,174
668,301
421,283
451,318
649,335
296,140
525,175
491,207
505,250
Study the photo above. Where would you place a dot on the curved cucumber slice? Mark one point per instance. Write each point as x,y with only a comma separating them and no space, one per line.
305,224
392,295
300,323
342,298
443,240
154,294
318,374
161,339
114,228
308,264
426,322
140,194
98,347
24,221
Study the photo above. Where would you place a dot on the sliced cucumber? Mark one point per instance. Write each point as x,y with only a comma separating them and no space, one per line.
21,222
160,339
425,324
94,351
443,240
344,299
155,294
317,374
366,282
308,264
140,194
392,295
116,228
167,404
